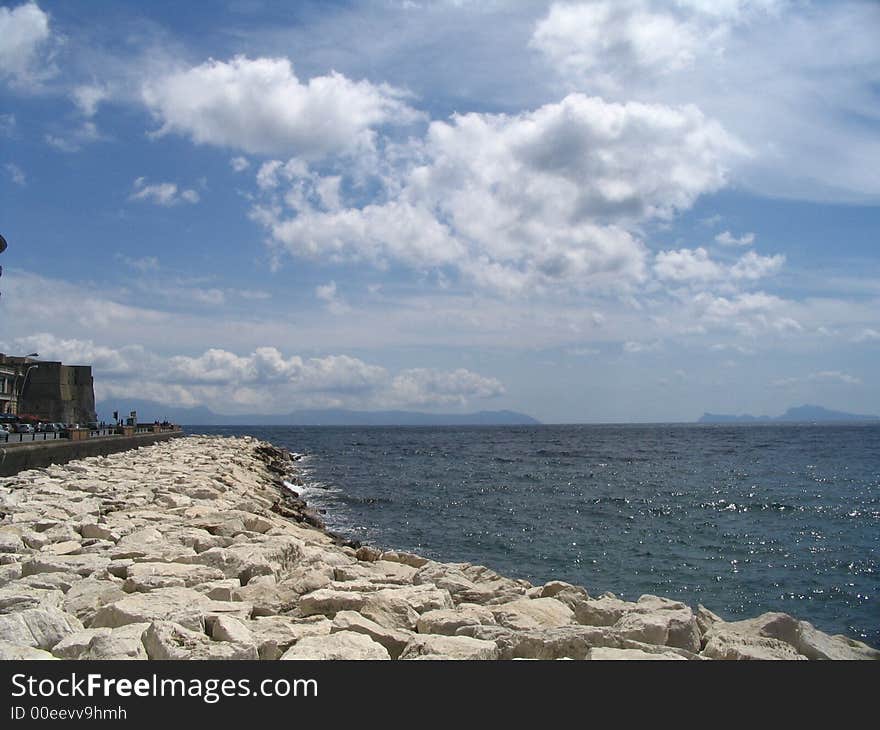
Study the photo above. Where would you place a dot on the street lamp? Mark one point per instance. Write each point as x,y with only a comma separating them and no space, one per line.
18,393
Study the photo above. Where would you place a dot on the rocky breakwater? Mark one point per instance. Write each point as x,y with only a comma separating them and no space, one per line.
195,549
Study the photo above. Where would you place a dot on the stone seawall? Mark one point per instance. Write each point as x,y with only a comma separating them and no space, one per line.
18,457
195,549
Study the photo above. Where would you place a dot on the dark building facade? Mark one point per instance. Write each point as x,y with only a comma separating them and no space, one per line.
50,391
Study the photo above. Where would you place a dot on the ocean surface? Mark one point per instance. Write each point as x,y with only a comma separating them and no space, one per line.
741,518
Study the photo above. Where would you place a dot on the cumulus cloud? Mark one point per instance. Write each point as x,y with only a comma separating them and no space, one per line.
260,106
264,378
753,266
24,36
609,42
814,136
750,313
165,193
511,202
726,238
695,265
431,387
686,265
239,164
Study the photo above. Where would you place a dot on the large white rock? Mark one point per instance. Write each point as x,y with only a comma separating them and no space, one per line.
169,640
603,611
390,609
267,597
276,634
179,605
723,644
19,596
447,622
86,597
10,541
123,643
14,652
525,614
608,653
394,640
84,565
227,628
380,571
414,561
338,646
747,639
328,602
427,646
51,581
40,628
275,555
662,621
143,577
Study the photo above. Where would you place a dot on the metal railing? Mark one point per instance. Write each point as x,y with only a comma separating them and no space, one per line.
13,438
18,438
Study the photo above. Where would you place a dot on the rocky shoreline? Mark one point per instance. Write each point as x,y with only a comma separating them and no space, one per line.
196,549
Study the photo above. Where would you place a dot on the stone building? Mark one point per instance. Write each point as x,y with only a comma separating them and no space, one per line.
50,391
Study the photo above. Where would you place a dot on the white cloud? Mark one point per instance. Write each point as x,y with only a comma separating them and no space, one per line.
328,294
88,97
239,164
686,265
726,238
260,106
609,42
16,174
815,136
424,387
512,202
165,194
694,265
753,266
264,378
28,307
24,32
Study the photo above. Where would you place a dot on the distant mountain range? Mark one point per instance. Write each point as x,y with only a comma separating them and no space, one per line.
799,414
148,411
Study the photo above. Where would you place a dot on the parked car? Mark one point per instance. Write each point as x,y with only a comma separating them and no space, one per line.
24,428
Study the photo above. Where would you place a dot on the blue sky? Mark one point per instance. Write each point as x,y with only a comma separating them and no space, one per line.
586,211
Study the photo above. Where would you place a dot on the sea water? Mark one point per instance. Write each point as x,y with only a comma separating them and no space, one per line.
741,518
